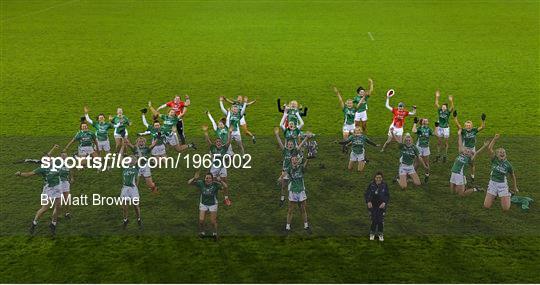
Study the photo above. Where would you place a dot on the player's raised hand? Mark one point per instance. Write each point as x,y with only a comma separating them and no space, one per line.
85,110
245,99
149,104
205,128
483,117
437,93
454,113
276,130
221,98
390,93
227,201
415,120
450,98
497,136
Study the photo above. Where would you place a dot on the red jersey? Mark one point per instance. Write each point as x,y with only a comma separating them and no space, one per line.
399,117
177,107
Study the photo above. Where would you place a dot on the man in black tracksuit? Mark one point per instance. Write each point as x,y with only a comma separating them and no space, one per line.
377,197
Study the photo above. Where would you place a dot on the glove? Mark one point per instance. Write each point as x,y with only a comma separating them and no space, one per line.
436,124
455,113
483,117
144,110
414,106
416,120
83,119
227,201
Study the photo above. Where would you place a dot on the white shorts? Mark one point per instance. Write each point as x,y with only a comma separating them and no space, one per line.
297,197
235,135
458,179
398,132
242,121
171,139
158,150
406,169
64,186
218,171
348,128
423,151
356,156
145,171
52,192
129,192
230,151
118,136
85,150
443,132
104,145
203,207
498,189
360,116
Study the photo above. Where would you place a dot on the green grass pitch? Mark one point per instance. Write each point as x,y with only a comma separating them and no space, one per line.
57,56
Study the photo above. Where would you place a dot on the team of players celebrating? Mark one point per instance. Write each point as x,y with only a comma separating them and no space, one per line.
168,130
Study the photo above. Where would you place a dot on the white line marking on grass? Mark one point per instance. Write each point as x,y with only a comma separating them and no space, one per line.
370,36
39,11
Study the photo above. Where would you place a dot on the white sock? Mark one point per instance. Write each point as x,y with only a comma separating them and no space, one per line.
34,222
282,198
53,222
288,227
306,225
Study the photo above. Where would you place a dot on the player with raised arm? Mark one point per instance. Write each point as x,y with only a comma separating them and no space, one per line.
102,128
51,192
294,110
87,142
442,127
423,133
141,150
458,182
221,129
361,101
469,134
297,192
395,131
408,155
243,125
234,116
130,192
120,124
289,149
358,141
208,200
349,111
169,125
498,184
218,150
180,109
291,131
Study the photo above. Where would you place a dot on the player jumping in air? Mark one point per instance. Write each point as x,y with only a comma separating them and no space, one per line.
87,142
498,184
409,154
180,109
358,141
291,129
120,124
234,116
361,99
239,102
468,135
395,131
218,150
221,129
130,191
208,200
297,192
289,149
141,150
458,182
51,191
442,128
169,125
349,111
294,109
423,133
102,131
